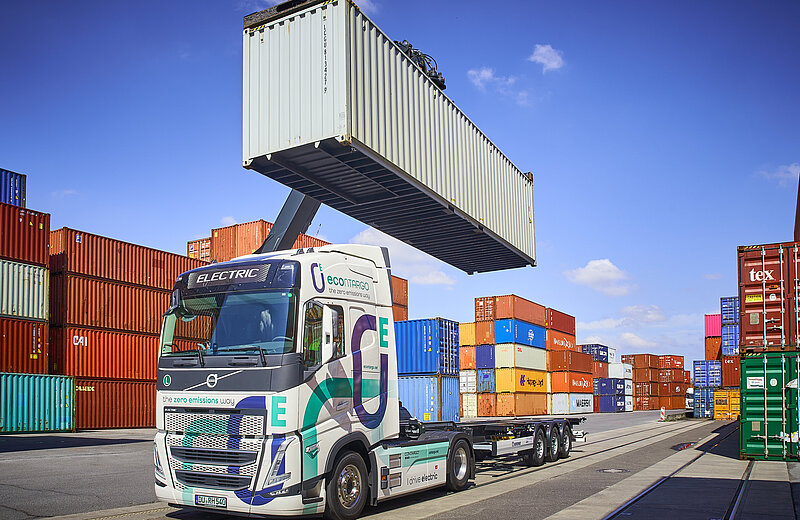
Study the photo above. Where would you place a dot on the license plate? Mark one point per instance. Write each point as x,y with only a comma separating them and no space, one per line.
208,501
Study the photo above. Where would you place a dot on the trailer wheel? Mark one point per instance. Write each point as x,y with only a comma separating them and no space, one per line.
566,443
458,466
347,488
535,456
553,445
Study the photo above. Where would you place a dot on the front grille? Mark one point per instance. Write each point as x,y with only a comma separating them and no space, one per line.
213,442
211,480
205,456
214,423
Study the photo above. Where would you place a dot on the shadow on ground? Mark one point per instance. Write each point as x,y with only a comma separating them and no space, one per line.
49,442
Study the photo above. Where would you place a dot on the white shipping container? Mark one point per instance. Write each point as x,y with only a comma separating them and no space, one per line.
469,405
513,355
612,355
628,387
468,381
628,403
564,404
620,370
24,290
334,108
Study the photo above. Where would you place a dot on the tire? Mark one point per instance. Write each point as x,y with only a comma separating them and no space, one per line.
347,489
459,464
553,445
535,456
566,443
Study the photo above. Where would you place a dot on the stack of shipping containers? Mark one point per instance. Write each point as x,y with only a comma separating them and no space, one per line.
672,382
727,399
769,276
613,387
106,302
427,367
646,386
569,368
707,378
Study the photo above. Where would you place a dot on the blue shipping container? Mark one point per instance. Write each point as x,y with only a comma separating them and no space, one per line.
516,331
36,403
430,398
707,374
729,308
612,403
484,356
427,346
704,402
611,386
730,340
596,386
598,352
486,380
12,188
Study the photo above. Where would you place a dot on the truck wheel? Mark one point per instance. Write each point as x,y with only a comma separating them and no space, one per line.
458,466
535,456
566,443
347,488
553,445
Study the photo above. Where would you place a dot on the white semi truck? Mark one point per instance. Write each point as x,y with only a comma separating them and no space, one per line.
289,406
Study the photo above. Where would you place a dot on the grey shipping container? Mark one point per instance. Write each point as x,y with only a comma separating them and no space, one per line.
24,290
335,109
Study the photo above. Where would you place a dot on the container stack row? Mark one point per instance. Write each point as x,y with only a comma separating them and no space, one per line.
727,404
427,368
613,384
658,381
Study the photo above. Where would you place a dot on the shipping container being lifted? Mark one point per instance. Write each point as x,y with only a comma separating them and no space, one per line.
334,109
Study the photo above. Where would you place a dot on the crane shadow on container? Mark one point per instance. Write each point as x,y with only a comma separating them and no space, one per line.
18,442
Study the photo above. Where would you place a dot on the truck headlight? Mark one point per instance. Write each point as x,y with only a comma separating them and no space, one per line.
272,475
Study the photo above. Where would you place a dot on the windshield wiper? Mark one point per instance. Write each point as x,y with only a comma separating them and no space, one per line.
199,353
248,349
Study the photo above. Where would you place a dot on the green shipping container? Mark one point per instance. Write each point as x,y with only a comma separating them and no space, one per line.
770,423
36,403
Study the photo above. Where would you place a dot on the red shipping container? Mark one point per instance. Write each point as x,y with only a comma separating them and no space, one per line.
23,346
687,377
242,239
78,252
466,358
512,306
670,375
487,405
713,348
87,302
101,404
399,312
484,332
627,358
484,308
670,389
566,382
24,235
399,291
199,249
569,361
557,320
596,403
641,360
646,402
674,402
731,366
768,276
645,375
670,362
713,325
647,388
599,369
561,341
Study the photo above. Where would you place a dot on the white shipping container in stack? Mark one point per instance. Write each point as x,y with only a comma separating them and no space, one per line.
612,355
620,370
628,403
469,405
468,381
24,290
513,355
564,404
628,387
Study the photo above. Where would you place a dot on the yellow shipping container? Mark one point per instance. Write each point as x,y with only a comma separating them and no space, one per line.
727,404
520,380
466,334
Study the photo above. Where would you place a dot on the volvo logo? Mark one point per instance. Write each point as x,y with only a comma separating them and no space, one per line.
211,380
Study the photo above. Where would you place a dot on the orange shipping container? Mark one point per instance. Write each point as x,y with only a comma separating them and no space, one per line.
199,249
671,389
101,404
466,358
571,382
399,291
23,346
513,306
486,405
24,235
599,369
561,341
560,321
566,360
78,252
242,239
521,405
730,371
670,362
399,312
645,375
646,402
670,375
674,402
484,332
713,348
646,388
484,309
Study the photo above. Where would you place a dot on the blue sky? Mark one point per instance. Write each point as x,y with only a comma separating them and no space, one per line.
661,136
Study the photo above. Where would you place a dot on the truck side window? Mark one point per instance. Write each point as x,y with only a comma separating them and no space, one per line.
312,335
338,332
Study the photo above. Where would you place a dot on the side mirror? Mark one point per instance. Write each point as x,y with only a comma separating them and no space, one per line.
330,319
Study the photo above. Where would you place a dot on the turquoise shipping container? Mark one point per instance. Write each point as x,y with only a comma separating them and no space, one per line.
430,398
36,403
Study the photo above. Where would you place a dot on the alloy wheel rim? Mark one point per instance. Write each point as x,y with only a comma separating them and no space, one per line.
460,463
348,485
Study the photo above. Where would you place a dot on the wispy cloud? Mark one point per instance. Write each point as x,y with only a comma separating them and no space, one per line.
603,276
786,174
60,194
548,57
630,339
227,221
407,261
485,79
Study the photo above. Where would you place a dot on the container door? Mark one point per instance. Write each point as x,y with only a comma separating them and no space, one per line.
764,292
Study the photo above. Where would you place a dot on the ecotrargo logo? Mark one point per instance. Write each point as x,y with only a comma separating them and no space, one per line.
319,288
761,276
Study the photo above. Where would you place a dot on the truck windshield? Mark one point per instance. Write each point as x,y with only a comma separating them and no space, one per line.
223,323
